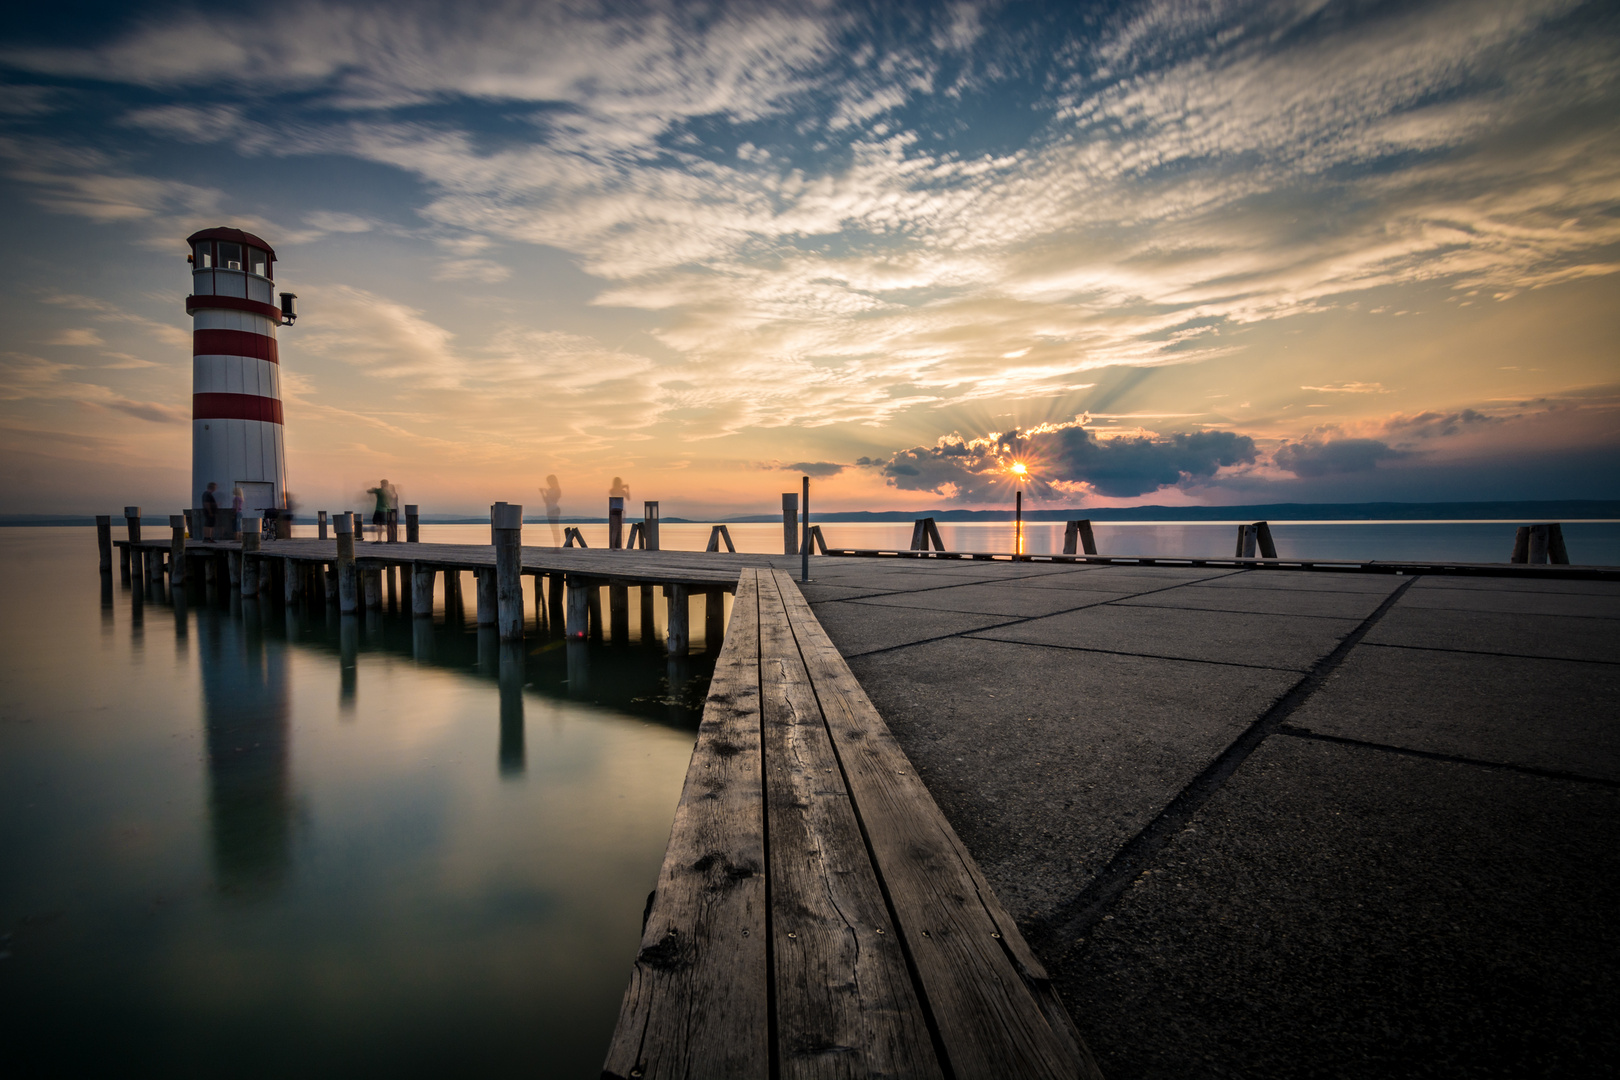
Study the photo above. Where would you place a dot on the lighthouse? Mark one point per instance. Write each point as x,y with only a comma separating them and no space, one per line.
236,419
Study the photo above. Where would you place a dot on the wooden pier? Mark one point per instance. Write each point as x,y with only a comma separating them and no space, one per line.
816,915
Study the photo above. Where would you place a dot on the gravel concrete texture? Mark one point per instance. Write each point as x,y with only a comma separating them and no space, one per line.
1500,633
1279,641
1538,713
1343,605
1382,584
1044,760
1518,602
995,598
1343,912
863,628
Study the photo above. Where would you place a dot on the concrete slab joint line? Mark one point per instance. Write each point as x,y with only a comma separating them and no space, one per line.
1075,918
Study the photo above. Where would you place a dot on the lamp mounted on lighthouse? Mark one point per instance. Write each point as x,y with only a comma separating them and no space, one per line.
236,418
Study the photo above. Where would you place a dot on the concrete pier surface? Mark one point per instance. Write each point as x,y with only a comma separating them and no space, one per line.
1275,824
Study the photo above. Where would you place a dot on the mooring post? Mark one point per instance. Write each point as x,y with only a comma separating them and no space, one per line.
804,541
347,585
290,581
508,523
790,522
320,524
132,532
649,526
484,586
132,523
413,524
1262,536
1556,551
250,556
619,613
1078,538
556,616
678,619
393,525
1018,526
1538,545
578,607
649,624
714,619
615,522
104,540
421,589
154,565
177,551
1243,541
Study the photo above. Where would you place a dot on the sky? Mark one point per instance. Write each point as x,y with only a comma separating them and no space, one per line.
1160,252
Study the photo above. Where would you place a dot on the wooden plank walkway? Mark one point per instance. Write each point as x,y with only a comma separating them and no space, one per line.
816,916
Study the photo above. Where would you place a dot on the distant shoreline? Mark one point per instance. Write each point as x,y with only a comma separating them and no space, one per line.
1565,510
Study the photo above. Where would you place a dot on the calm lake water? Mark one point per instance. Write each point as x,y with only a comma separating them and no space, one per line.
237,839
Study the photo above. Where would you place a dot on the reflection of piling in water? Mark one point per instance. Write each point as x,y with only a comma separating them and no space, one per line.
579,667
348,659
489,655
649,620
512,678
676,674
106,593
484,583
619,613
422,640
555,612
246,710
347,575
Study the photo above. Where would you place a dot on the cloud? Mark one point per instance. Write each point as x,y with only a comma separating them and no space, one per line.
75,337
33,378
1309,460
1349,388
1063,459
812,468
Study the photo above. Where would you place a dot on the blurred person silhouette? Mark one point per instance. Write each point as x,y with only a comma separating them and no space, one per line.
237,502
210,509
379,515
619,490
552,493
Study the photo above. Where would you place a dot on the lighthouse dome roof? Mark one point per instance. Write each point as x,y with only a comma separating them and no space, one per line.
237,235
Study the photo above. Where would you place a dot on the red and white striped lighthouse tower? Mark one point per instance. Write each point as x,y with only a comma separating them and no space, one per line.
236,420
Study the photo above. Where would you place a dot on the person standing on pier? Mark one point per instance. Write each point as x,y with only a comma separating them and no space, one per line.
237,502
379,516
552,493
210,509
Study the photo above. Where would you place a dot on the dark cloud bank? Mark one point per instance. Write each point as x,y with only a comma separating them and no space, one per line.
975,470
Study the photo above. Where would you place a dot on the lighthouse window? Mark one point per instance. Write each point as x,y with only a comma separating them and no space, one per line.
230,256
205,255
256,261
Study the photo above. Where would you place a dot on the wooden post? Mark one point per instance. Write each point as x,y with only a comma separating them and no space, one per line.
1245,543
593,607
320,524
649,624
717,533
678,619
1018,526
578,606
284,525
790,522
556,617
635,539
714,619
393,525
804,545
508,522
177,551
649,526
421,589
1556,551
372,581
132,523
919,541
484,587
619,613
1078,538
615,522
348,585
104,540
291,581
1262,535
250,556
1538,545
413,524
389,573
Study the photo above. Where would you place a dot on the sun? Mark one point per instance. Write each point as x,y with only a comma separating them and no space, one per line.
1020,469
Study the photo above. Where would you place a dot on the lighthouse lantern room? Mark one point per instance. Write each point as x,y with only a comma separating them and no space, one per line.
236,425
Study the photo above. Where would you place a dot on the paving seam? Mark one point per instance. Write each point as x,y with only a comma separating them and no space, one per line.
1454,759
961,584
980,635
1075,917
1235,611
1000,626
1471,652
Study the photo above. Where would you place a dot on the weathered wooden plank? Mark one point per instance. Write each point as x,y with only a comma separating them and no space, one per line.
993,1004
698,1001
845,1003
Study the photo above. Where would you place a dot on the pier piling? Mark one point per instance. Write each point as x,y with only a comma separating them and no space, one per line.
619,613
508,522
578,609
104,540
484,585
790,522
347,585
250,556
679,616
413,526
649,526
421,589
177,551
1078,538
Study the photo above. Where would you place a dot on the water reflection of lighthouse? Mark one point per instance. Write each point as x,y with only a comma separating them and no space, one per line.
246,708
